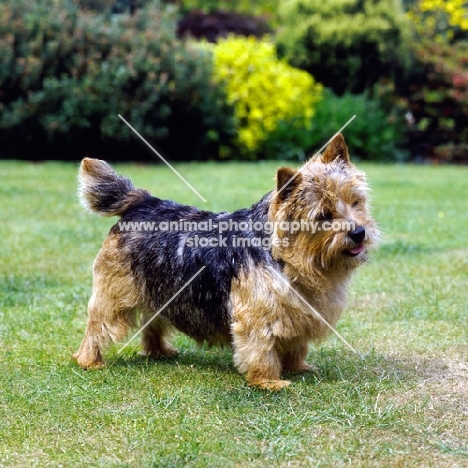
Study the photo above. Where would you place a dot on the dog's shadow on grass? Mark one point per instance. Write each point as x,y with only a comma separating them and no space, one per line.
340,365
188,357
332,365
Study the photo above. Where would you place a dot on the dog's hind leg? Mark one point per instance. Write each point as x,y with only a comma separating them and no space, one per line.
112,307
154,337
293,359
105,324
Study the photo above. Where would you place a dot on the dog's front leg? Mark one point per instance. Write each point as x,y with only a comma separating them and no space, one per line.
256,356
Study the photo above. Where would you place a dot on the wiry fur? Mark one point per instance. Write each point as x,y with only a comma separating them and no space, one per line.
244,296
104,192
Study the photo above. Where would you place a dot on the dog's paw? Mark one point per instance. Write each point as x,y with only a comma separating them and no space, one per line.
303,367
160,354
273,385
88,363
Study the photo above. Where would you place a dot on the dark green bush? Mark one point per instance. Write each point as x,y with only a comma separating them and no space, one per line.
65,75
347,45
376,134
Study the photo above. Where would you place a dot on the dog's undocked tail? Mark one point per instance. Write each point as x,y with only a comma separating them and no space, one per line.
103,191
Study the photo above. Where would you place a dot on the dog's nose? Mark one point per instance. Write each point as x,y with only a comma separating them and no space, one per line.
358,234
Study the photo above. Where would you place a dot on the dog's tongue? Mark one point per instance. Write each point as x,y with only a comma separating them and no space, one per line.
356,250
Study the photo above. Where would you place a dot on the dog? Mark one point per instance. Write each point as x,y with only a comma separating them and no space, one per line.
254,279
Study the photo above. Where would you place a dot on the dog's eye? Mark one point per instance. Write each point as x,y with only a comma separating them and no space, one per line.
325,216
355,204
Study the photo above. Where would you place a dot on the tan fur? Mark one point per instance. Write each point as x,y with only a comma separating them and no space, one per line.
112,310
271,326
113,303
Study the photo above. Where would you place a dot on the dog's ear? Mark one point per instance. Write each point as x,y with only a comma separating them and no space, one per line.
286,180
337,149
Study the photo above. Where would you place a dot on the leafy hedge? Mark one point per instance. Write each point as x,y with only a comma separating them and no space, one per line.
437,94
439,19
377,132
65,75
347,45
437,88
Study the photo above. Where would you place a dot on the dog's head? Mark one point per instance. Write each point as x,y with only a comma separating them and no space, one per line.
321,213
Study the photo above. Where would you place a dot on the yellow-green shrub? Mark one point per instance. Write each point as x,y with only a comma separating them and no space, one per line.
439,19
274,102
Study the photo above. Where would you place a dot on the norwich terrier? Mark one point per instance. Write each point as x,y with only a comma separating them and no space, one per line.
245,278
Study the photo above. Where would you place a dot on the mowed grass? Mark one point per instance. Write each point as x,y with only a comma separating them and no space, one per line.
402,402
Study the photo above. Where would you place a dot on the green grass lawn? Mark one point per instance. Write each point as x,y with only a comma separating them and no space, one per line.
403,403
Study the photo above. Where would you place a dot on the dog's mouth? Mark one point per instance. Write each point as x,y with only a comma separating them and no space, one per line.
355,250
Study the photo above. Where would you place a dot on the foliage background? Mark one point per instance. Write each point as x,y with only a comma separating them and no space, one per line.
437,88
274,102
346,45
68,68
66,75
